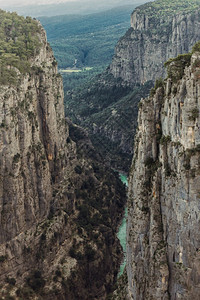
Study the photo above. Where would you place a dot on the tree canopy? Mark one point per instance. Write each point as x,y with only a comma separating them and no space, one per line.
19,41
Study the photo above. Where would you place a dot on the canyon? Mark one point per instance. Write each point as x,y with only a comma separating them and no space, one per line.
61,203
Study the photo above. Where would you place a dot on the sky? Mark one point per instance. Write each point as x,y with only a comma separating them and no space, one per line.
38,8
4,3
30,2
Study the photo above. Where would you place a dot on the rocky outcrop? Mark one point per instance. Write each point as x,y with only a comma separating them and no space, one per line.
59,205
156,34
163,208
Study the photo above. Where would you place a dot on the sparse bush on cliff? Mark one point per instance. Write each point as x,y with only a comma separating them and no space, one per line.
194,114
159,83
165,139
176,66
196,47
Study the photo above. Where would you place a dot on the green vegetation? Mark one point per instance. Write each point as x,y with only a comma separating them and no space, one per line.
165,139
194,114
11,280
86,41
83,42
196,47
3,258
176,66
166,8
19,42
36,281
71,81
159,83
16,158
109,106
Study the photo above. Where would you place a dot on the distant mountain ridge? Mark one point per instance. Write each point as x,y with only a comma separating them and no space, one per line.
78,37
71,7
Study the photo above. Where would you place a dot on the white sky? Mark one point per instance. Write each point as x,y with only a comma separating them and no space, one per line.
30,2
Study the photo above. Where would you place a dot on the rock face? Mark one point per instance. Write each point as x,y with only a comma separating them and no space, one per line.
153,38
33,145
163,247
59,205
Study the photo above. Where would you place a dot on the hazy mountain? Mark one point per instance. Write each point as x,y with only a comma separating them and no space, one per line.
71,7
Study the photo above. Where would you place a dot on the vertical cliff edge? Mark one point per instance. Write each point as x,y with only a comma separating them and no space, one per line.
163,244
159,30
59,205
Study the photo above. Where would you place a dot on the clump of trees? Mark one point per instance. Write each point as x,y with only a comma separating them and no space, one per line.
161,8
19,41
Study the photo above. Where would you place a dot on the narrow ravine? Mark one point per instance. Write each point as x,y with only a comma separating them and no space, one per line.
122,230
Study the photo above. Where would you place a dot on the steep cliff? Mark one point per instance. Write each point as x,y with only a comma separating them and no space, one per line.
159,30
164,192
108,105
59,205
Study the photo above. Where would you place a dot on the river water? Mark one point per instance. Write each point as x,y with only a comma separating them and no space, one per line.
122,230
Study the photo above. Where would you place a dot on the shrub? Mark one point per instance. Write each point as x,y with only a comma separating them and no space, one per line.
176,66
35,281
149,161
168,170
58,273
16,158
78,169
90,252
11,280
159,83
3,258
194,114
196,47
165,139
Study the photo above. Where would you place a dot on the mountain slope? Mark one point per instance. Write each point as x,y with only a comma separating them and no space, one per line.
77,38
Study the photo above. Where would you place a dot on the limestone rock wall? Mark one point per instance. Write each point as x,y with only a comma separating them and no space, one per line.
33,134
164,193
59,205
142,52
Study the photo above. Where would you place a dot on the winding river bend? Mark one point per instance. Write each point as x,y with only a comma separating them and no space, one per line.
122,230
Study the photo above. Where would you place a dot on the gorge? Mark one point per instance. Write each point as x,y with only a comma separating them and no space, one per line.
62,203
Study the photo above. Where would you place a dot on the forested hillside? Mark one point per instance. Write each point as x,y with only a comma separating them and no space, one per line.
85,41
19,42
89,40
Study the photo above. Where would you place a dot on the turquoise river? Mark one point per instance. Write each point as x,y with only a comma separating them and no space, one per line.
122,230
